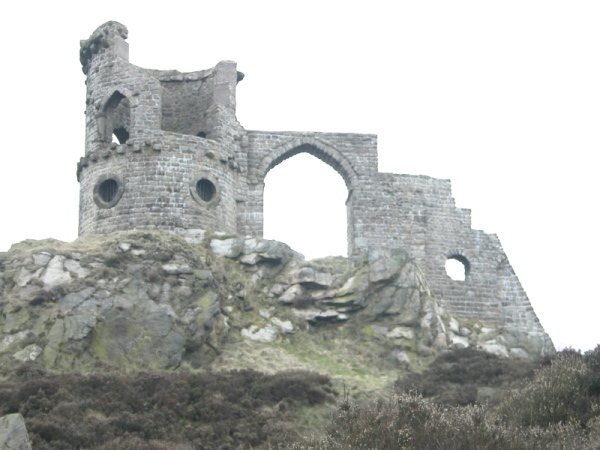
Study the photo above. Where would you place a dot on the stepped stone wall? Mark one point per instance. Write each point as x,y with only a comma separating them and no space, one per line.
164,150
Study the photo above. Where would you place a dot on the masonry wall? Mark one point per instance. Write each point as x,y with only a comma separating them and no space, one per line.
181,135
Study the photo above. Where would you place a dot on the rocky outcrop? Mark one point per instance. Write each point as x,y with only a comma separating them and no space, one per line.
13,434
157,300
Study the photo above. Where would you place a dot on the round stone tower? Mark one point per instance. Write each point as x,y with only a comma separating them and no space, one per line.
162,147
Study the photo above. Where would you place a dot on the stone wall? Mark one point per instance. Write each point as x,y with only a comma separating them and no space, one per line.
185,163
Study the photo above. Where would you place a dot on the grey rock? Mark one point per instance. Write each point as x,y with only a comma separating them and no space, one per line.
291,294
13,434
9,339
385,264
348,288
269,250
285,325
308,314
460,341
75,268
440,341
454,326
14,320
230,248
269,333
177,269
29,353
192,236
329,315
379,330
401,332
519,353
495,348
277,289
24,277
42,258
55,273
464,331
309,275
400,356
323,295
74,299
250,259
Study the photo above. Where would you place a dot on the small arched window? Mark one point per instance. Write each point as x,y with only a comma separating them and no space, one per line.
117,114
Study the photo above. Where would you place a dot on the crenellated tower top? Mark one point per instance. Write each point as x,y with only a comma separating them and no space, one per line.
109,37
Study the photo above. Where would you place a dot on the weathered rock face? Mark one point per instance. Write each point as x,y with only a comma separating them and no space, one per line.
13,434
156,300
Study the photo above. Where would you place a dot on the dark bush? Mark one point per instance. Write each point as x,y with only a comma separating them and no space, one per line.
564,392
457,377
159,410
410,422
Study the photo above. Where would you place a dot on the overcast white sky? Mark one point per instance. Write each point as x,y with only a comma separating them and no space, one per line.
503,98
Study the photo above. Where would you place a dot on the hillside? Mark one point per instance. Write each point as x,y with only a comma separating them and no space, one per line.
150,315
140,300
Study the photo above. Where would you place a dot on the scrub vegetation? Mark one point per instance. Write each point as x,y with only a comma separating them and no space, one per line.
465,399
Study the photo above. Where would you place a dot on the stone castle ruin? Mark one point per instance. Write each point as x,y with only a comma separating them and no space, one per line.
184,163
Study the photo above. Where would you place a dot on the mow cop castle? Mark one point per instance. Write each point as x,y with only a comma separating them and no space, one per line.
183,163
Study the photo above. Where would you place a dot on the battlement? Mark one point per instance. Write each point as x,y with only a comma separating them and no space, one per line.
164,150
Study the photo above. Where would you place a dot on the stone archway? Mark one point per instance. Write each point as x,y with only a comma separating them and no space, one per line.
326,153
251,213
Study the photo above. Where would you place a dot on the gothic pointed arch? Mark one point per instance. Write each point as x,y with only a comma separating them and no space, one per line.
115,118
317,148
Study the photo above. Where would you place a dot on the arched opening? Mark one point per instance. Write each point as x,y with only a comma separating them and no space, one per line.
304,206
457,267
117,113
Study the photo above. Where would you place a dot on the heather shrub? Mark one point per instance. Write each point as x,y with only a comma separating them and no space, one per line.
150,410
564,392
592,360
557,408
456,377
410,422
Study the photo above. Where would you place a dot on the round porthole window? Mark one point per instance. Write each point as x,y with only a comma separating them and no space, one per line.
108,191
205,189
457,267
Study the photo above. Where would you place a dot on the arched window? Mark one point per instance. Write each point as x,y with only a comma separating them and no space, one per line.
117,113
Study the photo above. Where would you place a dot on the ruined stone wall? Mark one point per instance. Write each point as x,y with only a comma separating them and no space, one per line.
184,104
185,163
353,156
